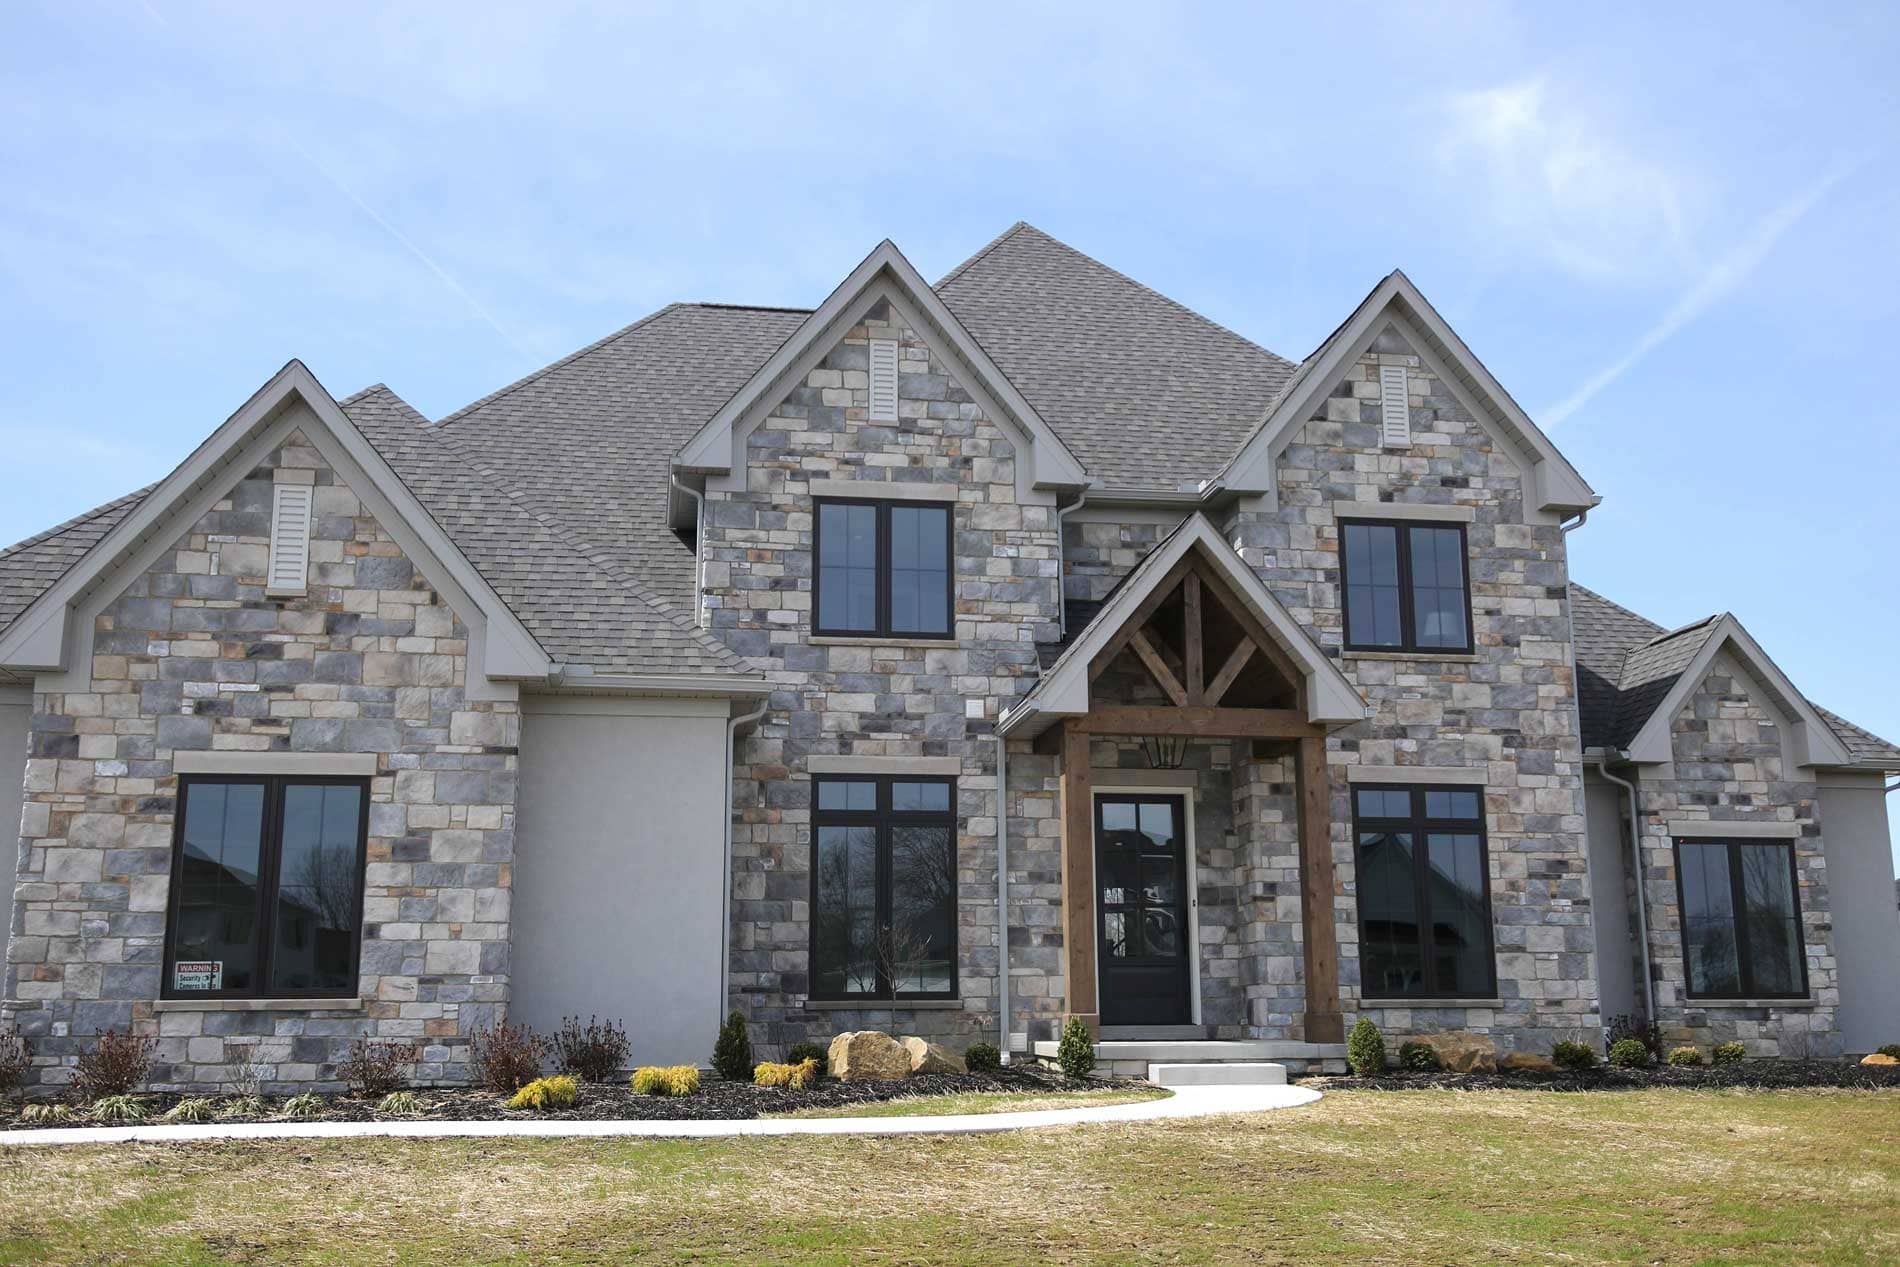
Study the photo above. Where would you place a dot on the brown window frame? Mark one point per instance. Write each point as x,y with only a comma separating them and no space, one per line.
1418,824
1408,600
881,620
1745,972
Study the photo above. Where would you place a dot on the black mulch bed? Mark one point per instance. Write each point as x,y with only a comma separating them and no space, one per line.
615,1101
1763,1075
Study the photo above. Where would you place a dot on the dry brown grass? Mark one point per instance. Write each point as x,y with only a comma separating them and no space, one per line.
1660,1177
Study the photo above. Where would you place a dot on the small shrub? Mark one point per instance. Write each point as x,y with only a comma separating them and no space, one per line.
1566,1054
1648,1033
1891,1049
375,1069
1728,1054
190,1111
1076,1052
799,1077
546,1095
671,1079
1418,1057
119,1108
1685,1057
799,1053
1629,1053
504,1058
732,1051
595,1053
47,1114
307,1105
116,1065
16,1054
983,1058
1365,1049
400,1103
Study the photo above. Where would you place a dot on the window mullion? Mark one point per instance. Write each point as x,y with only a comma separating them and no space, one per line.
1421,894
1408,616
1738,895
886,933
268,848
883,568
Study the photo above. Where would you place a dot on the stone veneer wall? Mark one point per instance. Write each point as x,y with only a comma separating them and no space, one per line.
194,656
1730,765
871,697
1508,712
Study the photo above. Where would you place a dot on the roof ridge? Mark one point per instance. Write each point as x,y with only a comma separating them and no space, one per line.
77,520
1677,632
1175,304
601,562
551,366
713,303
371,390
985,249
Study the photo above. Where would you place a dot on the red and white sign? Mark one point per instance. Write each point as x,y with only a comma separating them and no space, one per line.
198,974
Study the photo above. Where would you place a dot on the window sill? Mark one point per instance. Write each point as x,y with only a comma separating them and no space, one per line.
883,1005
860,640
1430,657
259,1005
1693,1004
1415,1004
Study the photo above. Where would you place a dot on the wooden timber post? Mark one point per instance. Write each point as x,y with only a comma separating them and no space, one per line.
1323,1022
1078,878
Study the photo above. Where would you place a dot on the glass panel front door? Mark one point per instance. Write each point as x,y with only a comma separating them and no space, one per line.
1142,906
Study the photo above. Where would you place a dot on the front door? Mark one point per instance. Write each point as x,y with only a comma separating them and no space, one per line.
1141,903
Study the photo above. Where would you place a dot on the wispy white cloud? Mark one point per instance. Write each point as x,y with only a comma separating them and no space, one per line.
1547,172
1721,280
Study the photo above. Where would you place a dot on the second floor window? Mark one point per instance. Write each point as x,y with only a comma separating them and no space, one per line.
883,568
1424,893
1406,586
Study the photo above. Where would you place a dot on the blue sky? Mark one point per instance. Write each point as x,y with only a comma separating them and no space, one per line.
1674,236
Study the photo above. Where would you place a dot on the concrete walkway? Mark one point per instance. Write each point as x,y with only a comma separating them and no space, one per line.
1184,1103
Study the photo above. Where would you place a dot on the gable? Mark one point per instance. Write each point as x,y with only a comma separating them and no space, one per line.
718,450
1396,308
54,636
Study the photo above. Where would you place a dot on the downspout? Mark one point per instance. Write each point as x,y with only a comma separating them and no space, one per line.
699,548
1062,605
1642,889
725,899
1002,893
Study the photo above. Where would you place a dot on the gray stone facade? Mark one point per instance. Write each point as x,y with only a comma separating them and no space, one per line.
193,656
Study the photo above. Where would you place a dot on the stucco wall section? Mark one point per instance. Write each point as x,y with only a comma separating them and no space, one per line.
193,656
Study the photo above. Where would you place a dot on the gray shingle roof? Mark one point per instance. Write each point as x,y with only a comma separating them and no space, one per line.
1626,666
29,568
1148,394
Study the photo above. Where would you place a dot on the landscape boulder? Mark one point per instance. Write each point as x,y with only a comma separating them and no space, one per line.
1528,1061
1463,1053
927,1057
867,1055
1879,1058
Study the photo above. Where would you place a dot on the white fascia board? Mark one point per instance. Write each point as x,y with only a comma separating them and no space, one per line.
718,446
1813,741
667,684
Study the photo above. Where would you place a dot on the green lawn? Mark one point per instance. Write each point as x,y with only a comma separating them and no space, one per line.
985,1102
1412,1177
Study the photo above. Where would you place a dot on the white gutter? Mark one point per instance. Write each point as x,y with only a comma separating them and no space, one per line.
1642,889
725,901
1002,894
699,547
564,678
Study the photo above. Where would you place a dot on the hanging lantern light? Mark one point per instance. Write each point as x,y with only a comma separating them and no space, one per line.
1164,752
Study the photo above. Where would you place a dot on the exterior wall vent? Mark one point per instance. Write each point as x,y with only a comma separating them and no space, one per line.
883,380
290,540
1395,415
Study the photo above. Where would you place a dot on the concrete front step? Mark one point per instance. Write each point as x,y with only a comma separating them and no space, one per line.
1130,1059
1215,1074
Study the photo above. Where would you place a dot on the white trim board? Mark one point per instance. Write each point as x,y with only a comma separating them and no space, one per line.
1711,829
850,764
885,490
196,761
1464,776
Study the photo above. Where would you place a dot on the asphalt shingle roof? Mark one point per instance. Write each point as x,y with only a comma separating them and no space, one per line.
31,567
1147,393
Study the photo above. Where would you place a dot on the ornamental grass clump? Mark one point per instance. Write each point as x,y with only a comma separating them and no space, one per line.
116,1064
1685,1057
799,1077
190,1111
46,1114
1076,1052
307,1105
668,1079
547,1095
400,1104
1728,1054
799,1053
1365,1049
732,1051
1567,1054
1418,1057
1629,1053
983,1058
595,1052
118,1108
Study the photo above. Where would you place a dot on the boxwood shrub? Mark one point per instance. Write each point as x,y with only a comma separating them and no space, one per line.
1365,1049
1568,1054
983,1058
1629,1053
1729,1054
1685,1057
1418,1057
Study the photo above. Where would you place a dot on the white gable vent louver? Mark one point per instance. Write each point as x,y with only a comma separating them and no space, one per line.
883,380
290,540
1395,416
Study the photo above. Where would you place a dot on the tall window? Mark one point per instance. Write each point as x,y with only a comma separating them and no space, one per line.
884,568
884,888
1741,919
1406,585
267,884
1424,893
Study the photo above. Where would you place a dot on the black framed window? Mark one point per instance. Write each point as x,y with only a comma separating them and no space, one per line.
884,888
1424,887
1741,919
883,568
267,887
1407,586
